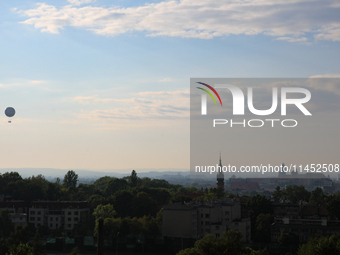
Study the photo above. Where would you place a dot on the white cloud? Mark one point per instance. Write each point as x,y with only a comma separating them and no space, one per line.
80,2
165,80
163,105
289,20
292,39
326,76
33,83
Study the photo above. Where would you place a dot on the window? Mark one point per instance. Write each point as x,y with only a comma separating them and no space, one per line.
207,223
32,218
201,223
226,213
68,219
218,235
69,213
207,215
51,219
217,227
39,212
57,225
201,215
69,225
76,219
51,225
56,219
39,219
76,213
33,212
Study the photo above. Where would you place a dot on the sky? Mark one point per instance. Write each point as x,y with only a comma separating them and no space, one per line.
105,84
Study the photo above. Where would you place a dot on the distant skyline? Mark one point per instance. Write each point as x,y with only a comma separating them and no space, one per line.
105,84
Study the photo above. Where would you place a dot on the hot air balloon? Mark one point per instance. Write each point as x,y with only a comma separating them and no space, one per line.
9,112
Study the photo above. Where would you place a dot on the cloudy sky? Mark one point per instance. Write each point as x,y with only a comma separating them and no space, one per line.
105,84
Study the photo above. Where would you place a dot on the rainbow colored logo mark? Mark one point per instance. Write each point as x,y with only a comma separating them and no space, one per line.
209,92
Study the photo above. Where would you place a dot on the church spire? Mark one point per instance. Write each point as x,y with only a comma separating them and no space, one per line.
220,175
220,164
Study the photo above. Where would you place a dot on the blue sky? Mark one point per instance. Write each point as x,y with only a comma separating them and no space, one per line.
104,84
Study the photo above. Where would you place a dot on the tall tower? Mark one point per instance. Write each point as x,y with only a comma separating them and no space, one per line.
282,173
220,176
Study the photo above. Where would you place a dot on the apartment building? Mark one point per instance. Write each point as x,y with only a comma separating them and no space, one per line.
195,220
17,208
56,214
306,221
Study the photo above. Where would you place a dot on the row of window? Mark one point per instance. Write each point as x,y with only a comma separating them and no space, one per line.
51,219
68,213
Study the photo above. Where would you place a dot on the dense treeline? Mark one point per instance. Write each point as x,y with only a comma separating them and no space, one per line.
129,205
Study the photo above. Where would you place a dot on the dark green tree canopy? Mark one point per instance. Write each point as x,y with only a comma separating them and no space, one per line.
70,179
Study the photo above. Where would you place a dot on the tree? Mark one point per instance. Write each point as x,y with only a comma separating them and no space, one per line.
104,211
296,193
263,223
329,245
133,179
278,194
333,205
75,251
38,246
70,179
123,203
257,205
288,238
6,225
143,204
229,243
21,235
21,249
114,185
317,197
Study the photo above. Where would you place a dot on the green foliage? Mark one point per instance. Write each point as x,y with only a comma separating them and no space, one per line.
146,225
288,238
278,193
20,235
333,205
258,205
70,179
181,199
263,223
6,225
104,211
38,246
189,251
75,251
21,249
133,179
329,245
292,193
114,185
102,182
229,243
143,204
317,197
123,203
296,193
